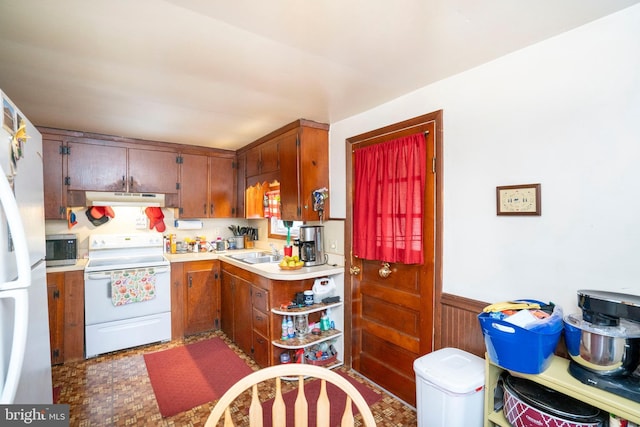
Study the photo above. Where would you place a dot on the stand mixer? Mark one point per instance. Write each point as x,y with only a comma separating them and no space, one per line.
604,342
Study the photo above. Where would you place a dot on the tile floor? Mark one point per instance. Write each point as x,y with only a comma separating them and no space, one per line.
114,390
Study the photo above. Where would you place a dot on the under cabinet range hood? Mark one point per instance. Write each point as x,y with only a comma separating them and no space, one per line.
103,198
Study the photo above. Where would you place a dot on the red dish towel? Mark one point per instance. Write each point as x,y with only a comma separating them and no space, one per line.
272,207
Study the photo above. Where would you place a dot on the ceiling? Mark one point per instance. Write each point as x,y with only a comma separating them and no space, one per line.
223,73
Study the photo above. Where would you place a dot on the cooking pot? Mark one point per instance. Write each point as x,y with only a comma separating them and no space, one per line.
607,350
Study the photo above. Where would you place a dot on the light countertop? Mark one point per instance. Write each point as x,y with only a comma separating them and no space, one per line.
268,270
78,266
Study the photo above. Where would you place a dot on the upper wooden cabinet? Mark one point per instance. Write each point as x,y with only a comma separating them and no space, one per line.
99,167
304,167
263,158
76,162
55,194
152,170
207,186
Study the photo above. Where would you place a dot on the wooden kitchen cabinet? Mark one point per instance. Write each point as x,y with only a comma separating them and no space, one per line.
201,296
260,325
66,316
304,167
241,185
95,167
250,316
55,195
236,309
152,170
263,158
296,155
208,186
100,167
76,162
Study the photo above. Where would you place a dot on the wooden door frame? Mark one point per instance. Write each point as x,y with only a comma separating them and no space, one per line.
372,136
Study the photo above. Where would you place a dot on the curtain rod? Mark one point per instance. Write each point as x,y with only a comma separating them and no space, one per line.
426,132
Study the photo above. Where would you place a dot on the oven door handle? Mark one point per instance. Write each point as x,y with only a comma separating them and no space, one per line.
98,276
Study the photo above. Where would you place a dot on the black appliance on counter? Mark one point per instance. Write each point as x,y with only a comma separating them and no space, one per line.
604,342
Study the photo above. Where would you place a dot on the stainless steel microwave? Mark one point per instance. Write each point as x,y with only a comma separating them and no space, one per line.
62,249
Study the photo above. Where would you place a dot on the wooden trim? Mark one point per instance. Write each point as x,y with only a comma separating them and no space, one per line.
284,129
119,141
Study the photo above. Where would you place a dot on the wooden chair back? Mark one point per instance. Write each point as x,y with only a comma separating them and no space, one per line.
299,371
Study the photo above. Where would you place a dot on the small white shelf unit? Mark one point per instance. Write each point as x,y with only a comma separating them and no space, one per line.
310,339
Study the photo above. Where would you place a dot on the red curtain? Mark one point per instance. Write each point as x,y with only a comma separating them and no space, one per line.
388,199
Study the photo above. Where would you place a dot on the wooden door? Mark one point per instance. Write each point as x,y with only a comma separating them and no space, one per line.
153,171
73,315
290,176
194,180
55,291
96,167
54,189
241,185
222,187
202,300
314,170
227,285
393,318
269,156
242,315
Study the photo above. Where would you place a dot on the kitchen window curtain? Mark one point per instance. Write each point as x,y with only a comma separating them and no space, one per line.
388,200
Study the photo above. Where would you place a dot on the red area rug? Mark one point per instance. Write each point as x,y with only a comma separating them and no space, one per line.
337,400
187,376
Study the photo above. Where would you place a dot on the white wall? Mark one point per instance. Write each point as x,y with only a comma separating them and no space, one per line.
564,113
125,221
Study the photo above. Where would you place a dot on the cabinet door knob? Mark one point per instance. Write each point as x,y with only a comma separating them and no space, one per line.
354,270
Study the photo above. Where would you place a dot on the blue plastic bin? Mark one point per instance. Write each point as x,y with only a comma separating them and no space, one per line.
528,351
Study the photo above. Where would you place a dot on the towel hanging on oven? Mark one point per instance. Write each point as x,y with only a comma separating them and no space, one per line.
129,286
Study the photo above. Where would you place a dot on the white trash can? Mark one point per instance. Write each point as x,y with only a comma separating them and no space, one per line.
449,389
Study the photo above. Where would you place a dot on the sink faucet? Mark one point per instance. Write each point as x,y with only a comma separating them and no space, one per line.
274,250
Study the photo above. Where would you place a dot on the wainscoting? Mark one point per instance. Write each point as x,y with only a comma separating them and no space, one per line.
459,326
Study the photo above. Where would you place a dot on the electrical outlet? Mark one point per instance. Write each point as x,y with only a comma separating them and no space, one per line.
333,244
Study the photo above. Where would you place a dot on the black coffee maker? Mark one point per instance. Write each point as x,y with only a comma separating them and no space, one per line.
311,245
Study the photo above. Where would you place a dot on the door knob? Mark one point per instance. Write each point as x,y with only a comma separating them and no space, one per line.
354,270
384,271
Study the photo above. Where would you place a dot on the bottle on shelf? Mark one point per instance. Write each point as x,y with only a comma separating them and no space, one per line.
290,331
324,322
285,328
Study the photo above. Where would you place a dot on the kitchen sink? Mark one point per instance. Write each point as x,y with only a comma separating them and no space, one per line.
256,257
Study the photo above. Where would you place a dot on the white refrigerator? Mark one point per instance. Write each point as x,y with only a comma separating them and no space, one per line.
25,359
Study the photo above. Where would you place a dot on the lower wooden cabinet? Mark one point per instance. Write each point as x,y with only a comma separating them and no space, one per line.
66,316
247,318
201,283
236,310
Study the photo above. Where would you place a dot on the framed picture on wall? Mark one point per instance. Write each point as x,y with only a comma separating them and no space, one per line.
518,200
8,117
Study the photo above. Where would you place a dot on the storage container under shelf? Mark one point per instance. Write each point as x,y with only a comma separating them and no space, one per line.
557,377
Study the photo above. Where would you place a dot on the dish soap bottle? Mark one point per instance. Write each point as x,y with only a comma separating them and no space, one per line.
285,329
